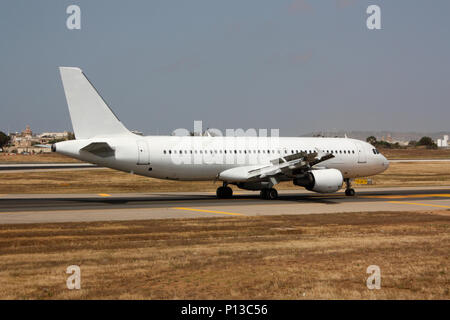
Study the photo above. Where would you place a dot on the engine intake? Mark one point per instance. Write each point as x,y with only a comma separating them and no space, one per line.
322,181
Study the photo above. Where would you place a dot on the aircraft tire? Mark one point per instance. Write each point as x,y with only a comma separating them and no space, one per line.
350,192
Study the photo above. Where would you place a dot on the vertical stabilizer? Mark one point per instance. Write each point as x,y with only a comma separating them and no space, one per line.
91,117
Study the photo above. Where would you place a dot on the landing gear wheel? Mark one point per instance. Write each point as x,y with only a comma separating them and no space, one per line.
350,192
219,192
263,194
224,193
272,194
269,194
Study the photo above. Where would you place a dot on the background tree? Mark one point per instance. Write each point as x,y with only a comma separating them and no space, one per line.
427,141
372,140
71,136
4,139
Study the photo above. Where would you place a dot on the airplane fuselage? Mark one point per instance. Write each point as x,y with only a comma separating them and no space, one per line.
205,157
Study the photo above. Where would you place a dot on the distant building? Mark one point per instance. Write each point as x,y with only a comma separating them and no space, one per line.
391,140
49,136
26,142
443,143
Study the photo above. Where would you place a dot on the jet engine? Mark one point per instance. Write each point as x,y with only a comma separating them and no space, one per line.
322,181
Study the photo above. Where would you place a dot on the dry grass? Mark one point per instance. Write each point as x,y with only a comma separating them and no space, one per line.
111,181
92,181
416,153
267,257
412,174
35,158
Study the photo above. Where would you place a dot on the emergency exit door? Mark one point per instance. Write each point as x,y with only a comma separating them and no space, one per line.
143,153
362,157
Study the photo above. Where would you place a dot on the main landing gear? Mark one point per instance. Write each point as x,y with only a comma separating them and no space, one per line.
349,191
224,192
269,194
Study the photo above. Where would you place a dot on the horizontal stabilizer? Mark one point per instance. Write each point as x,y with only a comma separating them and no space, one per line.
101,149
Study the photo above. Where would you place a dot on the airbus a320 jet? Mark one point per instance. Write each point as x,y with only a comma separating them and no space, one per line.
251,163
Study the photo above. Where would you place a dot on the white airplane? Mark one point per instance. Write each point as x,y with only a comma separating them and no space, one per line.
251,163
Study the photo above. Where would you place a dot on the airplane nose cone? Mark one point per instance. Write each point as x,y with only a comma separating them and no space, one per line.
385,163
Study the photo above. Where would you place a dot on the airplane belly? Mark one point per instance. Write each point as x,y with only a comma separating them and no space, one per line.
185,172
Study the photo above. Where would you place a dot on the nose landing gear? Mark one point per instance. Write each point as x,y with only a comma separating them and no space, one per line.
224,192
349,191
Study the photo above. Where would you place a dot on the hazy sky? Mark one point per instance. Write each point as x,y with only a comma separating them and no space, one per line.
300,66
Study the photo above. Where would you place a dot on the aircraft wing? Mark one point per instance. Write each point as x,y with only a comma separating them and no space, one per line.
289,166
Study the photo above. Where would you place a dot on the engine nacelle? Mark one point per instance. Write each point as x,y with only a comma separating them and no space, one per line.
322,181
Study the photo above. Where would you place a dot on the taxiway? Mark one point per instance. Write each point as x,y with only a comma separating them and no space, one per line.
49,208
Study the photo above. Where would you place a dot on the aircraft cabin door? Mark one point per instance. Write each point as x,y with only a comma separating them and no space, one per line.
362,158
143,153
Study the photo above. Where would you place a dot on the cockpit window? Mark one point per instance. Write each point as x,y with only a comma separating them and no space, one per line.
375,151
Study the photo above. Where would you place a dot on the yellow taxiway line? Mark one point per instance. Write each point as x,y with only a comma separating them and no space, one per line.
209,211
104,195
420,204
